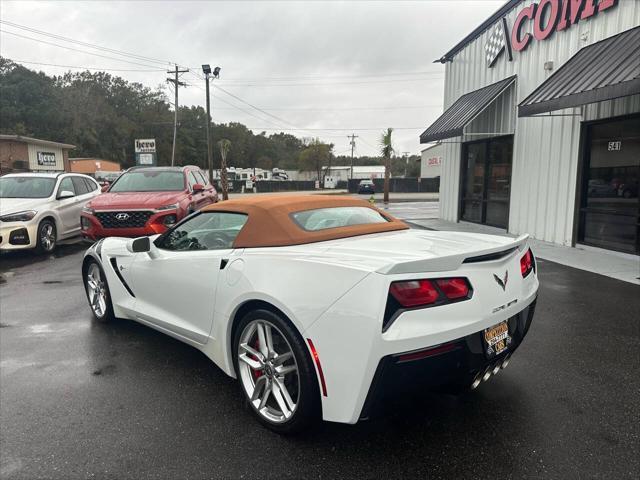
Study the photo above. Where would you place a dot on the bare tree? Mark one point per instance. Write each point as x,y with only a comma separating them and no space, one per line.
386,149
224,146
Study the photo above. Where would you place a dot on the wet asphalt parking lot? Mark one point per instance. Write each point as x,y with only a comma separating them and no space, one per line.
79,399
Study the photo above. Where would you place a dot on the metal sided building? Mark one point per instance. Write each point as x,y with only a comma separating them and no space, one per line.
541,128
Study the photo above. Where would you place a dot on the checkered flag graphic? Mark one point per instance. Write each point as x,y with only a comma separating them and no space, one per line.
495,45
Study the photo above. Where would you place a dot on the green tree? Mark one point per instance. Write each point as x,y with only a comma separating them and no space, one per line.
315,156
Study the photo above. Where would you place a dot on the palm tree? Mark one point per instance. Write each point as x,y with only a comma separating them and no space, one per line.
386,149
224,146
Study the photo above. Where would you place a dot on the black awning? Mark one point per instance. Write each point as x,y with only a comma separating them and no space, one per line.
603,71
452,122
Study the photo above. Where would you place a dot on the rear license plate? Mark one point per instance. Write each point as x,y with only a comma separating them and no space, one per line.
497,338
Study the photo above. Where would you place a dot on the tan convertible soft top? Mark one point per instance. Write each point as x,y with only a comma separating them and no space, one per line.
270,224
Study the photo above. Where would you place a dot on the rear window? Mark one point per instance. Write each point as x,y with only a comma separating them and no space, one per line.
149,181
325,218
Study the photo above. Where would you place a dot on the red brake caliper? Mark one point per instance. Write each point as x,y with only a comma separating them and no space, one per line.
257,373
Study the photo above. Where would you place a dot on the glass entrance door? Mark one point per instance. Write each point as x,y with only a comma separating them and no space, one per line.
610,208
486,181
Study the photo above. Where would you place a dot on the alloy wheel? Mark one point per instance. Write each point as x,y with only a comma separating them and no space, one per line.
97,290
47,237
268,371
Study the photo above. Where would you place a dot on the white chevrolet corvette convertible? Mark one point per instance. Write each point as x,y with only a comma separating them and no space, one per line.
322,306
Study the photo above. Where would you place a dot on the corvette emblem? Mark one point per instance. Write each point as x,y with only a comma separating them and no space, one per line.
500,281
122,216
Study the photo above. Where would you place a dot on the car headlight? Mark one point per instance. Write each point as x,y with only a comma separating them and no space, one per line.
168,207
88,210
19,216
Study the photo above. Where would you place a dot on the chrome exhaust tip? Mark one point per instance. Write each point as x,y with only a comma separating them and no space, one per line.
476,381
487,374
496,369
505,362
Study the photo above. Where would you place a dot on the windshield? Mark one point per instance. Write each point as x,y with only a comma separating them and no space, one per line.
323,218
26,187
149,181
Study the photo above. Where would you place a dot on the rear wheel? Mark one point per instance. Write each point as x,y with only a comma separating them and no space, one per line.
275,372
98,295
47,236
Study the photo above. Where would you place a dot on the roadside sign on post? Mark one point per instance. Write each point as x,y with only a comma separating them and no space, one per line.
145,151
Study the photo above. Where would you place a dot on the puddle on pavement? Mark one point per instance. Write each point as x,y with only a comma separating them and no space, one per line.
22,258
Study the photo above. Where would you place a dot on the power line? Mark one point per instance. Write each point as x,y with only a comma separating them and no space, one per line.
313,109
308,84
90,68
86,44
344,129
323,77
235,107
76,49
151,59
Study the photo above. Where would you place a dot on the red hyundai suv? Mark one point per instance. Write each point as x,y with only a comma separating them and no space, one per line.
146,201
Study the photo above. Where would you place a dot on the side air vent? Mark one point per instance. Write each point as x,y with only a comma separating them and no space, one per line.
114,264
490,256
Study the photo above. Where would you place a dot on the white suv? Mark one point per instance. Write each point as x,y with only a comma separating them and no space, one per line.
38,209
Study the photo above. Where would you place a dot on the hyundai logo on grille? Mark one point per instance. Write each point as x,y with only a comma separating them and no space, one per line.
122,216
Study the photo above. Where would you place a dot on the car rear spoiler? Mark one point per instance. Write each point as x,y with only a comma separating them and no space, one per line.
453,262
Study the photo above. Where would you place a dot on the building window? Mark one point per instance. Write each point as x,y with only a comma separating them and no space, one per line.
486,181
609,207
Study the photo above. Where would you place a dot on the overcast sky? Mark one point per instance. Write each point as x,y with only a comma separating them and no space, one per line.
325,67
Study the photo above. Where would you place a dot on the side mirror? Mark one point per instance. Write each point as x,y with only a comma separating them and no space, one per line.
104,188
65,194
139,245
198,187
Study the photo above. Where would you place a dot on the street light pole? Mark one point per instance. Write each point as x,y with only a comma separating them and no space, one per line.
206,69
209,150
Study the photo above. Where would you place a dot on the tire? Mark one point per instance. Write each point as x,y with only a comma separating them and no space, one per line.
102,309
46,236
297,387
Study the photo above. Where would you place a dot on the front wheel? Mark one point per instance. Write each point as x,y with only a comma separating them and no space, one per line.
275,372
98,295
47,236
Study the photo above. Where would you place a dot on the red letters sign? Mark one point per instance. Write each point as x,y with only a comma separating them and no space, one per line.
547,16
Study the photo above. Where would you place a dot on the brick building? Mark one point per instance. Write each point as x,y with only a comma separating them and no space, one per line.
90,166
26,154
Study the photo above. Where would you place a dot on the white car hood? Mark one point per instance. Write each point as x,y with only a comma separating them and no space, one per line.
12,205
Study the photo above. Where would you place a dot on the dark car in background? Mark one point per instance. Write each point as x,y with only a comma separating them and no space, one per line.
145,201
366,186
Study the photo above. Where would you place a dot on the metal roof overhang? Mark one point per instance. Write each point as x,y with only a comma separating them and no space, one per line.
452,122
602,71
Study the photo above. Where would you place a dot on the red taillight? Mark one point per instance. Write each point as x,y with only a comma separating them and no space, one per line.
414,293
454,288
526,263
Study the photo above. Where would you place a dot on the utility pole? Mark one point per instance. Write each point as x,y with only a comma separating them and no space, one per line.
176,85
353,144
206,69
406,162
